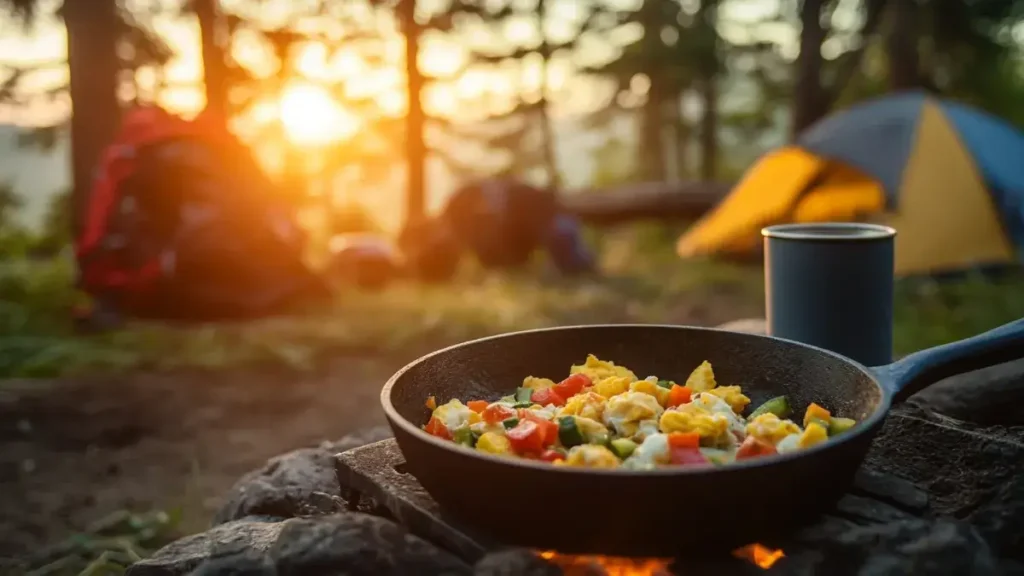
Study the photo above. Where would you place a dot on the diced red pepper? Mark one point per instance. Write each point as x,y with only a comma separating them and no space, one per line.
546,396
686,456
478,406
572,385
437,428
551,456
754,448
496,413
684,440
679,395
549,430
526,438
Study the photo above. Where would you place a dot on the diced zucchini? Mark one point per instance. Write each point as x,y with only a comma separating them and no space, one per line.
623,447
837,426
465,437
568,433
778,406
523,394
717,455
522,404
667,384
510,423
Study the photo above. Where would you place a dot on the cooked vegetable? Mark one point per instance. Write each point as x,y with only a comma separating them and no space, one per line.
778,406
465,437
603,416
623,447
837,426
568,433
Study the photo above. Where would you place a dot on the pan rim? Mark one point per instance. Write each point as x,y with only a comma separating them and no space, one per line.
864,426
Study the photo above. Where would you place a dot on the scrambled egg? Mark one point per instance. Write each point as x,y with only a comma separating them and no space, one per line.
591,456
770,428
612,386
535,383
702,378
694,417
733,396
587,404
598,370
455,415
652,388
653,451
592,430
628,411
621,406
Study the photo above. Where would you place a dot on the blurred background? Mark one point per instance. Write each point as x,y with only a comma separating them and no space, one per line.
607,128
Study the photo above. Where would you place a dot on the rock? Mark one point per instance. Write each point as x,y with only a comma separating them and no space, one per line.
236,563
990,396
919,547
297,484
254,535
515,562
356,545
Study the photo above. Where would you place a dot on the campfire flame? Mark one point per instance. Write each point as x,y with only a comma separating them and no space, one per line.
573,565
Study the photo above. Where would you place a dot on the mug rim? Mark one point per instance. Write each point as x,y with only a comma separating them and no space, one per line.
829,231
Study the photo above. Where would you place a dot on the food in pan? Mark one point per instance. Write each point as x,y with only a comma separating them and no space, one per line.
603,416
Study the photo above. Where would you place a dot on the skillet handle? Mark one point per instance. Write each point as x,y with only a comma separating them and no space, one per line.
921,369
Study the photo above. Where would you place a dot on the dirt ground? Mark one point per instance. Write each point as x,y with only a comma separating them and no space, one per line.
74,451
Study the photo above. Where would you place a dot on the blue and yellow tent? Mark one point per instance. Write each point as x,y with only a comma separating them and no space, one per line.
948,177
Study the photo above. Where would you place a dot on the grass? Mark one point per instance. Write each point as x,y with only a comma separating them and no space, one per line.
642,281
106,548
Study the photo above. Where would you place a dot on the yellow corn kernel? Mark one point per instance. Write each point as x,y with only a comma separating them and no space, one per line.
612,386
648,387
702,378
474,418
733,396
534,383
814,434
431,403
815,412
493,443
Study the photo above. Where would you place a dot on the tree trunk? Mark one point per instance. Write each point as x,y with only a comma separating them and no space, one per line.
93,68
709,128
902,46
652,119
709,68
680,137
214,57
415,147
547,130
809,98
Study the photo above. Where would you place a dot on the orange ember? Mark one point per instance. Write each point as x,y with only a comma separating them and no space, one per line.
612,566
763,556
573,565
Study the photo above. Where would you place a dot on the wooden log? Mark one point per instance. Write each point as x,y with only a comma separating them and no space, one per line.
652,200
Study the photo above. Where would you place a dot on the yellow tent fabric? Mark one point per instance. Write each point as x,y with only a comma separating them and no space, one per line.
945,217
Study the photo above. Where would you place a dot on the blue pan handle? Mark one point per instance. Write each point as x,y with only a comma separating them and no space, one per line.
922,369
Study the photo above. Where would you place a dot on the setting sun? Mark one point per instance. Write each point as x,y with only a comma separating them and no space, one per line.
312,117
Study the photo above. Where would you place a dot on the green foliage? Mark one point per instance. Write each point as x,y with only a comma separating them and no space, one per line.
107,547
642,281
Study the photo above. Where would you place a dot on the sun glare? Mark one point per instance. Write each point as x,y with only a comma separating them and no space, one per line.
312,117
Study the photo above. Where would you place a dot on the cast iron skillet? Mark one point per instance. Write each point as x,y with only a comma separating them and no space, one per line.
666,512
